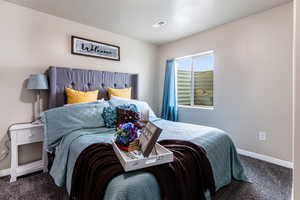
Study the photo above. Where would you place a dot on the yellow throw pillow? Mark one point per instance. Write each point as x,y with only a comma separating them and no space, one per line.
75,96
124,93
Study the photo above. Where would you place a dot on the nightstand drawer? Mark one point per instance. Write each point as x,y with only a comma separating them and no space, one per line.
29,135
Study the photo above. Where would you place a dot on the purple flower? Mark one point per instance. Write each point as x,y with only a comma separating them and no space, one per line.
127,133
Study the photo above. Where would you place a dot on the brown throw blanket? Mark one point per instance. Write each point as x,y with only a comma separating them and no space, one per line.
187,178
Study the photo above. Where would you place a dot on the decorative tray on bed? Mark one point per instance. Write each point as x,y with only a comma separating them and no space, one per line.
142,150
135,159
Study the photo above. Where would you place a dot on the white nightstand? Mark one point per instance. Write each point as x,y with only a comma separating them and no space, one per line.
26,134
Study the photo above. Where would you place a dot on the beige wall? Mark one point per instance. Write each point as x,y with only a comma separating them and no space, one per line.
253,80
31,41
297,100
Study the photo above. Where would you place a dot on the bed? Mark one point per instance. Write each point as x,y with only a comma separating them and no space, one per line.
220,149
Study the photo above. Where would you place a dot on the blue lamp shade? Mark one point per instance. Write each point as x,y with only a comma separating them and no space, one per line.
37,82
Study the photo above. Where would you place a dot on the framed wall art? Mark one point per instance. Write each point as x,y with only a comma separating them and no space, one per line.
86,47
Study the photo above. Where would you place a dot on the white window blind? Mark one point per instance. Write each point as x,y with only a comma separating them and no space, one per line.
195,77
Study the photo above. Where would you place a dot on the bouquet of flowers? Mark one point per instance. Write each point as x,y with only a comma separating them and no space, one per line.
126,137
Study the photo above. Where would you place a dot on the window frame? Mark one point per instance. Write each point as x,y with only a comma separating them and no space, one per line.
211,52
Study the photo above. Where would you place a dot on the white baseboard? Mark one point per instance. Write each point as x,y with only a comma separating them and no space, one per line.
265,158
4,172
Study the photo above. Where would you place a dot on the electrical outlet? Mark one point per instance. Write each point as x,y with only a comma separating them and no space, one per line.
262,136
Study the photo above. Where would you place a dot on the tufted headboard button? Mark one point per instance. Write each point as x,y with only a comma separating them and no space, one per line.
102,85
115,85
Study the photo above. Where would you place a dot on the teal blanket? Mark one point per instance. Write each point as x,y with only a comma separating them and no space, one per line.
139,185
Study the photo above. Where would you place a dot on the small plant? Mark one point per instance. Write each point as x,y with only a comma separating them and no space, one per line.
126,134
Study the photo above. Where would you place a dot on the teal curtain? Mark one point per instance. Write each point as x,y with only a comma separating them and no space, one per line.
169,105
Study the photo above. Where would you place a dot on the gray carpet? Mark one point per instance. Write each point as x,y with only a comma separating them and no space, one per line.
269,182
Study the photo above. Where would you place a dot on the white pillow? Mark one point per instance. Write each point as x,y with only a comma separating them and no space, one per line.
142,106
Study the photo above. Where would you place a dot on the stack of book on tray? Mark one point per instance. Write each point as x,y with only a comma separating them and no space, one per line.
132,146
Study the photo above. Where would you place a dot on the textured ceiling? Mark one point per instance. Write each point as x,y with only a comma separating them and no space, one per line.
135,18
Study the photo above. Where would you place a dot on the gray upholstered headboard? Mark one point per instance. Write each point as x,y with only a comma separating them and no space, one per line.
87,80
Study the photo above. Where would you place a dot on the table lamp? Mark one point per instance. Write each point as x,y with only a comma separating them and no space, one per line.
38,82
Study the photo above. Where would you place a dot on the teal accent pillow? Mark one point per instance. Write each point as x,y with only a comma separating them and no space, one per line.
110,114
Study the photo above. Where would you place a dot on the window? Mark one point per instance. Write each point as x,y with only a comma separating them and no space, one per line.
195,76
